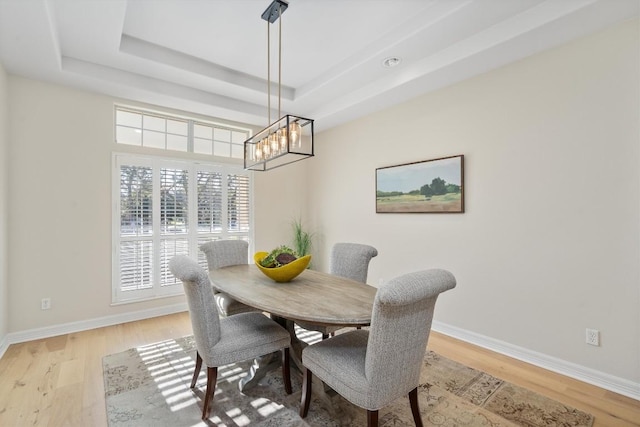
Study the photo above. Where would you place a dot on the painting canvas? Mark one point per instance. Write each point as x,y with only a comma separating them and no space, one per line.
429,186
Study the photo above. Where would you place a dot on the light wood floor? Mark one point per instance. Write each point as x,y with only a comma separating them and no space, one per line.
58,381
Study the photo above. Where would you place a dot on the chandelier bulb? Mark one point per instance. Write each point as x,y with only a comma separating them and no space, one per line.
295,134
282,138
273,143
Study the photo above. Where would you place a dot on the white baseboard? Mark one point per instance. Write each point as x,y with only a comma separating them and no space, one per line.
4,345
84,325
578,372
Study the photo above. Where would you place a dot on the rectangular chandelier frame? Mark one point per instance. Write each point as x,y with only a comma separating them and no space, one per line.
285,141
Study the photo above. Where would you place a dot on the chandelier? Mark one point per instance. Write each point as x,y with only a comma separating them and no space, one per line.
288,139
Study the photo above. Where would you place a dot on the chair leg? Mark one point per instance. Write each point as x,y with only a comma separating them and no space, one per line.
372,418
196,372
212,376
413,400
306,393
286,372
325,336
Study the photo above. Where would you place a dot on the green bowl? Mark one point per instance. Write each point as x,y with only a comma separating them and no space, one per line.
287,272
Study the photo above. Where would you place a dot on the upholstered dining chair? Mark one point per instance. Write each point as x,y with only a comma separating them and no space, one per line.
223,253
228,340
373,368
350,260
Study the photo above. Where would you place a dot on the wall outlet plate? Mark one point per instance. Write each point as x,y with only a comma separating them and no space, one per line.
593,337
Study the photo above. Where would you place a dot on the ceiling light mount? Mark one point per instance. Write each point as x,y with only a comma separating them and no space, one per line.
275,10
288,139
391,61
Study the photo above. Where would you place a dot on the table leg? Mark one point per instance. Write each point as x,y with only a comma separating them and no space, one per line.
262,365
297,345
267,363
259,368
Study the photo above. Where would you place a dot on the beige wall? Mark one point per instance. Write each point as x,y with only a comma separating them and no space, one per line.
4,142
549,243
281,197
60,206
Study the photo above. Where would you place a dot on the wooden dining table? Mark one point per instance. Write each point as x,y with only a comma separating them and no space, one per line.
313,297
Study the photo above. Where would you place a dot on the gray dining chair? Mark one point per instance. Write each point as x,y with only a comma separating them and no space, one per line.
373,368
349,260
223,253
221,341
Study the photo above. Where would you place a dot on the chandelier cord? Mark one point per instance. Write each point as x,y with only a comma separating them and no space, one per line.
268,74
289,138
279,59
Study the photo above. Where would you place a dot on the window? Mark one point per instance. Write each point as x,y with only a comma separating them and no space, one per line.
165,208
155,130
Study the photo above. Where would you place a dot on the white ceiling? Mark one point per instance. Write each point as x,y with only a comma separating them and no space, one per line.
209,56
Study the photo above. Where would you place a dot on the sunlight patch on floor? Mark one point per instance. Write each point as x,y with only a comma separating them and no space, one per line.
309,337
171,377
238,417
265,407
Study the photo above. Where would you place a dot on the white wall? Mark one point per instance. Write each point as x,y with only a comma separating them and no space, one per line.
281,197
549,244
4,142
60,206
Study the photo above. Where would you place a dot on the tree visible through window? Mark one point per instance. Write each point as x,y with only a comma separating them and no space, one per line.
159,200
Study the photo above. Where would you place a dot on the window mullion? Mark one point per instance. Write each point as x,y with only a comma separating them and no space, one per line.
225,203
193,211
116,230
156,226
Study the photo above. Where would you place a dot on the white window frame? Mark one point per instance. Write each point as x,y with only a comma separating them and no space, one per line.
232,145
194,238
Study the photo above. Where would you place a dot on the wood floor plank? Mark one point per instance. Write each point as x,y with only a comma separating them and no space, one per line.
93,403
58,381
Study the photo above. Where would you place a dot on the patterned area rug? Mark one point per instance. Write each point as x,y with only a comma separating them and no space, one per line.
149,386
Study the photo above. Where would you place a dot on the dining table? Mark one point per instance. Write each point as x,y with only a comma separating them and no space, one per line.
313,297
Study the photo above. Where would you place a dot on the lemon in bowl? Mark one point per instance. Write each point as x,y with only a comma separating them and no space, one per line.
284,273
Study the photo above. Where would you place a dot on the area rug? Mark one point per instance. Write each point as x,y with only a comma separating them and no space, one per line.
149,386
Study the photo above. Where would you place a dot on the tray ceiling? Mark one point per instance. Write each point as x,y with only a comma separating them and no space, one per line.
209,56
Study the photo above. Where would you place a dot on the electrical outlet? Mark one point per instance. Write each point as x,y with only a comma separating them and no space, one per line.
593,337
45,304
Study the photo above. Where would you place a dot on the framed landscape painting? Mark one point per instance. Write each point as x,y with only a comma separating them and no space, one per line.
428,186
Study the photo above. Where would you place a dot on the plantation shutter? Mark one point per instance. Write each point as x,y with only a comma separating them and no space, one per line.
136,251
209,202
166,208
174,220
238,203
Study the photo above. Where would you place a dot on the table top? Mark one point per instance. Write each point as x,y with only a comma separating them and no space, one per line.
313,296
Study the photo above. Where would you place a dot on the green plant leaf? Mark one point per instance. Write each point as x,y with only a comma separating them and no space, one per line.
270,261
